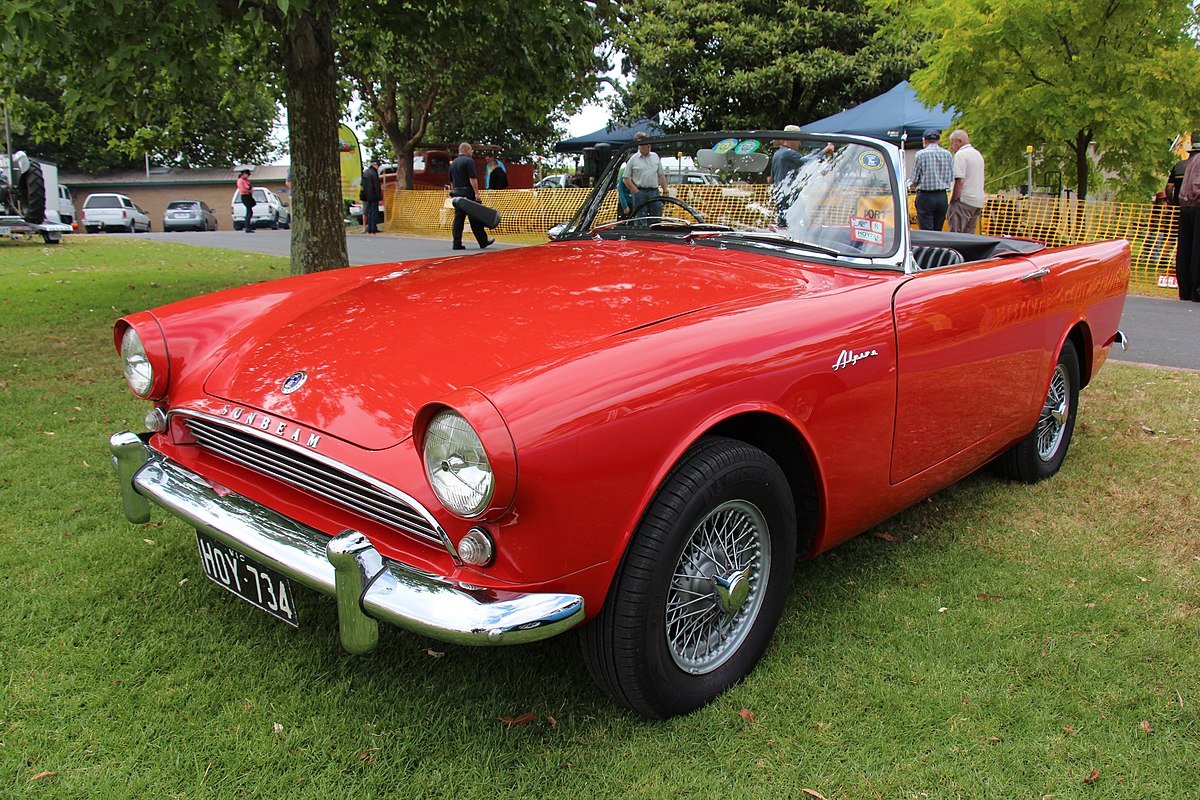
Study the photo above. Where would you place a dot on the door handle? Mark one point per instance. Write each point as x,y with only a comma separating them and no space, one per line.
1037,273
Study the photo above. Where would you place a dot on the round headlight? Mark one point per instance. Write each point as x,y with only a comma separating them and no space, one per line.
457,465
136,364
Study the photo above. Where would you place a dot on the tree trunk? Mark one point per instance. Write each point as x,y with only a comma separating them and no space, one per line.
311,86
1082,140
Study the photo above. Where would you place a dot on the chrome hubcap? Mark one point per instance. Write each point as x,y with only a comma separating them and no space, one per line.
717,588
1055,412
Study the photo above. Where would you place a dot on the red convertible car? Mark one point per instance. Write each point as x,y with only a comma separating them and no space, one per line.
632,430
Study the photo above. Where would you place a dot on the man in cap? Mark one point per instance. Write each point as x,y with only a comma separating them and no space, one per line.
645,178
932,177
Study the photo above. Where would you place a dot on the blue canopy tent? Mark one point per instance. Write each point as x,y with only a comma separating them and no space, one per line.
889,116
615,136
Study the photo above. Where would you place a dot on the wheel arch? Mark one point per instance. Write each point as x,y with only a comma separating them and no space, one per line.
780,440
1080,335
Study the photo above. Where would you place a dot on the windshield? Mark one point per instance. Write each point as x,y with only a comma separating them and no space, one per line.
190,205
833,195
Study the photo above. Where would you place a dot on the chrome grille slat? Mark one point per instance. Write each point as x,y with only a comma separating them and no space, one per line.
361,503
324,480
291,469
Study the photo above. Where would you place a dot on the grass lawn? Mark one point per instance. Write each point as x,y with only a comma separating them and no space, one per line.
996,641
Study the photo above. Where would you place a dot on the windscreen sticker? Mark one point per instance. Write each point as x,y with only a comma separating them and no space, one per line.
747,147
870,160
724,146
866,230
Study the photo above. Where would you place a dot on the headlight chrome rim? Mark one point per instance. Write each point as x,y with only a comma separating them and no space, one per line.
457,465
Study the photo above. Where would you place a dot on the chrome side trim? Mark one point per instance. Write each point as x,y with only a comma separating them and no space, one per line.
1122,340
368,587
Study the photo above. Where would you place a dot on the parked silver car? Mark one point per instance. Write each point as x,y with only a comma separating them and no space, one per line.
189,215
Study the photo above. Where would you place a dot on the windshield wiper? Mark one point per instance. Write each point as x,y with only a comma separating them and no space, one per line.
779,238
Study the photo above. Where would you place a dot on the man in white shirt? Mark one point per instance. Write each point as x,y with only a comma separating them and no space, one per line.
967,196
644,177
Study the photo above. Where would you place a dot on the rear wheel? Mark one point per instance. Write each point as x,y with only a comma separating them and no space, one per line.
702,585
31,194
275,222
1040,454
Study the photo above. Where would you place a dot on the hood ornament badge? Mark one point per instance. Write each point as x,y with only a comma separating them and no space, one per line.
294,381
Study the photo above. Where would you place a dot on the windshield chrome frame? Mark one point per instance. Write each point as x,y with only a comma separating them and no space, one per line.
898,261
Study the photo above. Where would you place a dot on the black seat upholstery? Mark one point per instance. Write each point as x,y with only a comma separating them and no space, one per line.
934,257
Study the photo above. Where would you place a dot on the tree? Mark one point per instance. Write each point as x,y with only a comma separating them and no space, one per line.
233,125
142,64
748,64
444,70
1093,84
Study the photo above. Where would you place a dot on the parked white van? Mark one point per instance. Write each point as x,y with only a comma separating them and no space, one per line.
269,210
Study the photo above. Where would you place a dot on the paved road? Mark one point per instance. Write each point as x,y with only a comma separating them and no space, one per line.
1161,331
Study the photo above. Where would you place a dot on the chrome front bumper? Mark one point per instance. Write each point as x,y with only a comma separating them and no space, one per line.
368,588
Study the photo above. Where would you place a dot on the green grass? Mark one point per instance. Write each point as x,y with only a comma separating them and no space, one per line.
996,641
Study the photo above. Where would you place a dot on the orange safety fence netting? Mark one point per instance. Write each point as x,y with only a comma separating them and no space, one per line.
526,215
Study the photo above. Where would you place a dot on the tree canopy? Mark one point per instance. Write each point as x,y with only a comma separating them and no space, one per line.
145,69
502,78
105,93
744,63
1095,86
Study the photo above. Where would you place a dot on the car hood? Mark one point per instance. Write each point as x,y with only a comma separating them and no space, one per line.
401,335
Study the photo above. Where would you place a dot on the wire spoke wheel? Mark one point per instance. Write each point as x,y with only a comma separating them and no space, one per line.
1040,454
1053,422
716,590
702,585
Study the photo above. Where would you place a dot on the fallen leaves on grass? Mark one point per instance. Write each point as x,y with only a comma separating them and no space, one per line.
524,719
887,537
41,775
1145,725
994,597
811,793
746,714
1092,777
368,755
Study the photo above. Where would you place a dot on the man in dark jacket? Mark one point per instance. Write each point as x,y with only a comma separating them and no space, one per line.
371,193
464,183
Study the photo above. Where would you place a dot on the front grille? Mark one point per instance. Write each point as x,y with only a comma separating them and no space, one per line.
323,479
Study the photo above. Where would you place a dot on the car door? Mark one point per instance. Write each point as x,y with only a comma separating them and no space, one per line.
971,359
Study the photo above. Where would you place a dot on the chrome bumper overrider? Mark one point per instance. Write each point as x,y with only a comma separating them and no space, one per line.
367,587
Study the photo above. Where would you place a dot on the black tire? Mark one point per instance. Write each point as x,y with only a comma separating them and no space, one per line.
275,222
638,648
31,194
1040,454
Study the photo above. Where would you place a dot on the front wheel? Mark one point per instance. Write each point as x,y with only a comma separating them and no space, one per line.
702,585
1040,454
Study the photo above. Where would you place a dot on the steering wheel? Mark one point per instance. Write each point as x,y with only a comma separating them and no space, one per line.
666,198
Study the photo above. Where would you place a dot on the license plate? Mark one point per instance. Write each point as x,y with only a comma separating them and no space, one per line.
5,230
241,575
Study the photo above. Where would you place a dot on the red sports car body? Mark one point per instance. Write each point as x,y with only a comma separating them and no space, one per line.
633,429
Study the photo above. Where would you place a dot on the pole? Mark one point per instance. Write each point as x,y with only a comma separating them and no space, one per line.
1029,169
7,145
